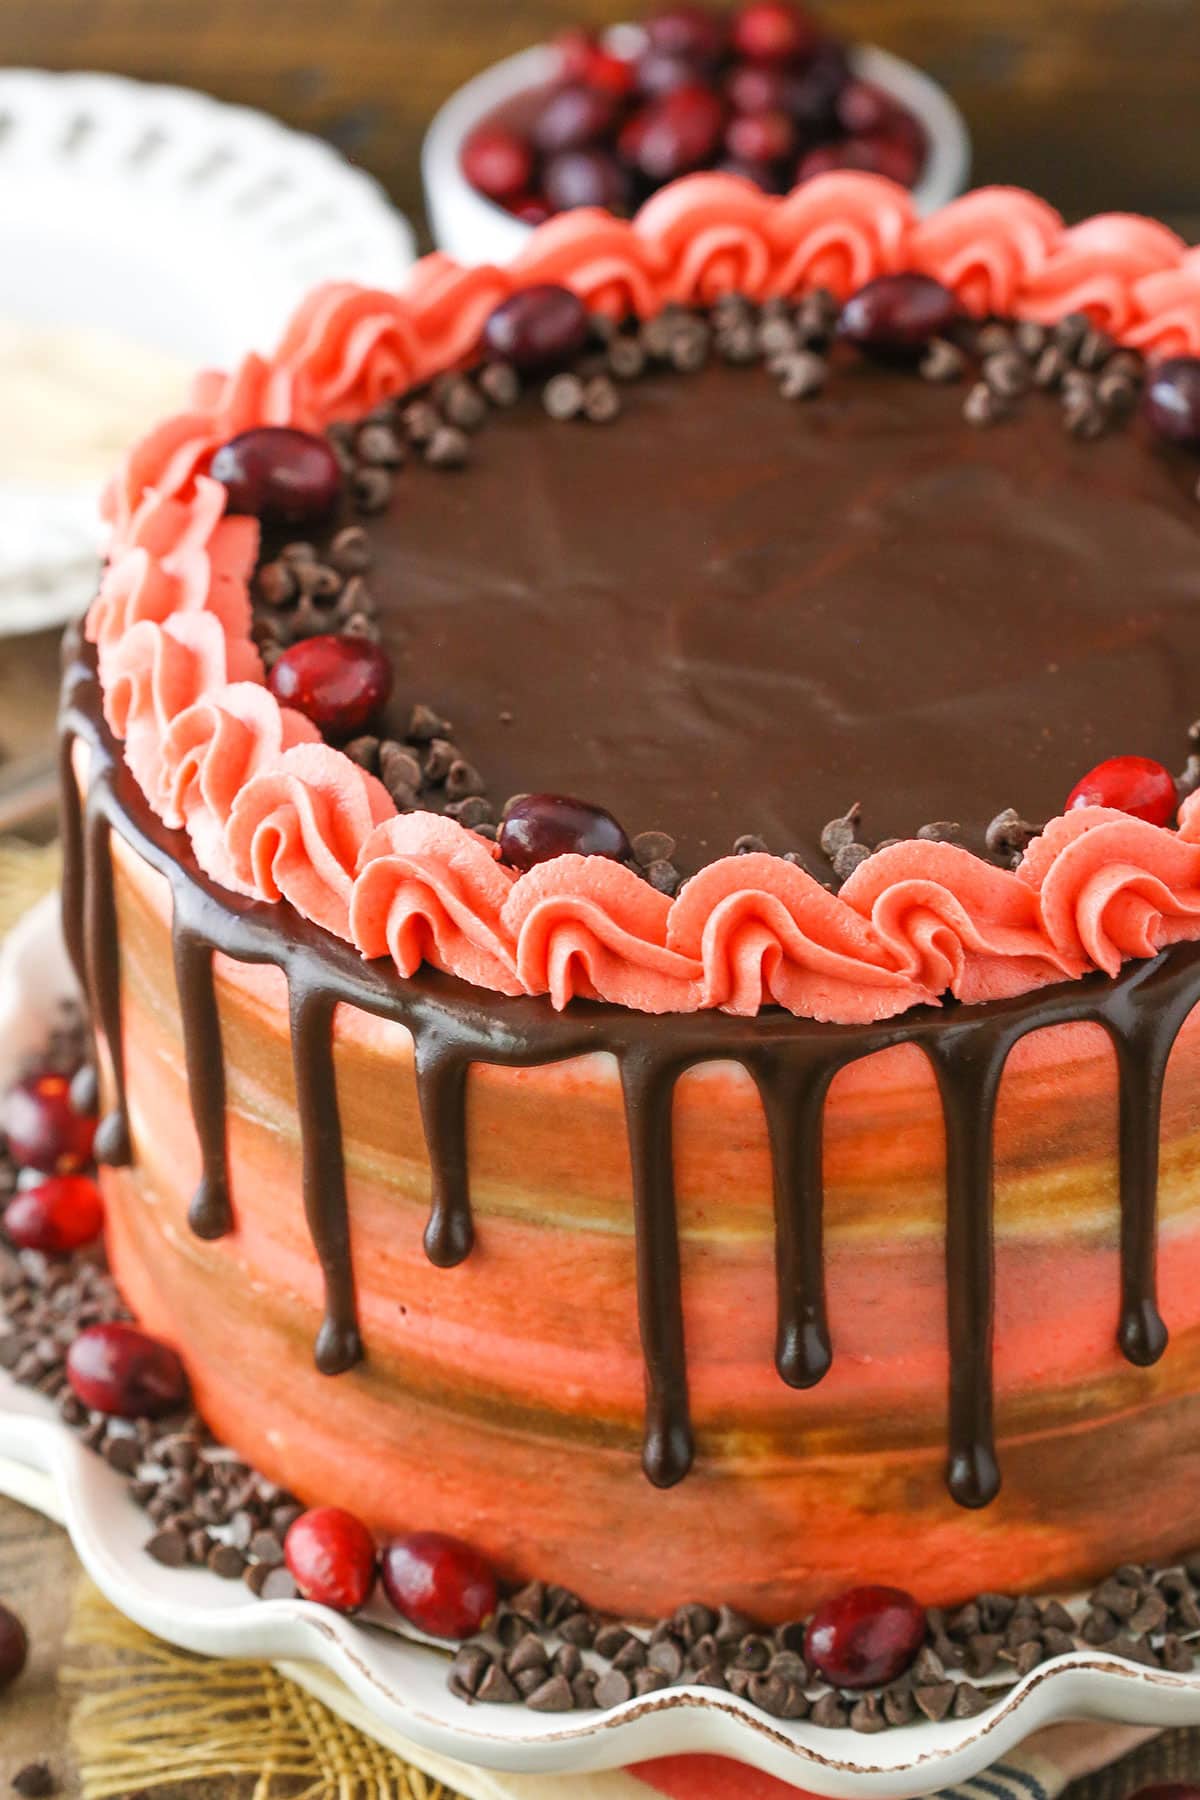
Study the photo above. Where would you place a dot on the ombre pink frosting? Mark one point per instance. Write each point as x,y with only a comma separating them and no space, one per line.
274,813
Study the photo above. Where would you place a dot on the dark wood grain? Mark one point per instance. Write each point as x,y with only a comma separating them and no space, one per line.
1093,102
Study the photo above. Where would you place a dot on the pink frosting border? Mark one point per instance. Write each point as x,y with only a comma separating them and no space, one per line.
274,813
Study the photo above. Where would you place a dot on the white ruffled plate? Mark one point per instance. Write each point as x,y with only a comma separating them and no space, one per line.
147,231
395,1687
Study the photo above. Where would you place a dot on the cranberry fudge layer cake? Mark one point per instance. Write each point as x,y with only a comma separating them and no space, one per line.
631,840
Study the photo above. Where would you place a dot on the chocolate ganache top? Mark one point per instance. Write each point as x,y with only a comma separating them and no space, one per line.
730,614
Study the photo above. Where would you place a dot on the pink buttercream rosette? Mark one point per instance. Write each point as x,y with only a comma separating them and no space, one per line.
277,815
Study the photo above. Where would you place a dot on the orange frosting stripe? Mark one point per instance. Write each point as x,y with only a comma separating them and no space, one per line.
274,813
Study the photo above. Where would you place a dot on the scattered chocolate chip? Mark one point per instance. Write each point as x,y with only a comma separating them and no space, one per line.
468,1669
801,375
867,1715
500,383
626,359
935,1700
562,396
350,551
495,1688
601,401
983,406
1070,332
168,1547
1031,337
1008,374
943,361
380,446
750,844
613,1688
553,1695
970,1701
275,584
994,339
447,448
1008,836
828,1711
462,404
1050,367
847,859
372,490
646,1681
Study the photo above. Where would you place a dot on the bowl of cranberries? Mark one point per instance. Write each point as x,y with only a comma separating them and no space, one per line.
605,119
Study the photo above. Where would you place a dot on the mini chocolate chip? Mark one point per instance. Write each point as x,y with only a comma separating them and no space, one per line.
121,1453
970,1701
365,752
1150,1616
448,448
1008,834
168,1547
266,1547
801,375
652,846
439,758
1031,337
372,490
423,726
581,1627
610,1639
529,1653
350,551
227,1561
420,420
1026,1659
709,1675
630,1656
943,361
828,1712
380,446
562,396
816,316
1098,1626
1176,1655
1117,1597
468,1669
738,344
626,359
495,1689
1056,1642
935,1700
689,349
983,1648
777,336
664,876
275,584
983,406
769,1692
1070,332
899,1707
299,551
583,1689
613,1688
568,1660
1008,374
601,401
749,844
1083,416
940,831
1095,348
993,339
1050,368
275,1584
666,1655
398,767
648,1681
472,812
847,859
1116,393
463,405
35,1782
552,1696
500,383
866,1715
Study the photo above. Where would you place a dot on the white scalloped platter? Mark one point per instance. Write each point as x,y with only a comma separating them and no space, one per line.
395,1687
147,231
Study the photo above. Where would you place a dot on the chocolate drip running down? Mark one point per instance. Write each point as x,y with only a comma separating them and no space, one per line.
792,1061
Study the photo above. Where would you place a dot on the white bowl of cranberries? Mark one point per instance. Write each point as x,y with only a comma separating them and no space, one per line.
604,120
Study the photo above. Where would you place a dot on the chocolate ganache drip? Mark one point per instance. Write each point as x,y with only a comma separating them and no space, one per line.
792,1061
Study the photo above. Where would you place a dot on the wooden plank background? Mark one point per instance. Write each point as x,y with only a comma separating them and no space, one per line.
1096,103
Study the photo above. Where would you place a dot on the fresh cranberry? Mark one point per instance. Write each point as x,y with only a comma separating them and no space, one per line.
758,88
539,826
332,1558
441,1586
865,1637
57,1216
696,32
893,157
772,31
675,134
864,108
661,72
586,61
14,1647
814,90
498,162
278,474
120,1370
1131,784
897,315
764,137
43,1128
1172,399
572,117
339,682
537,328
586,178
